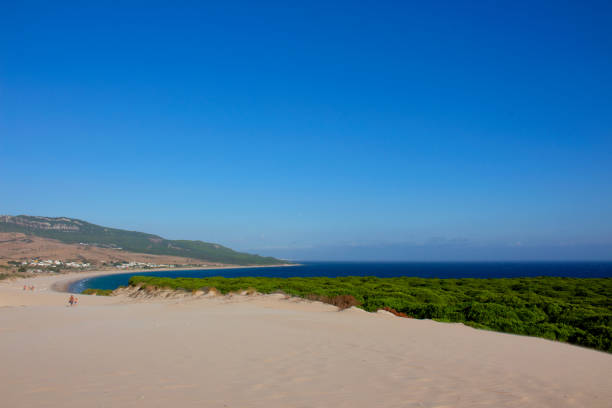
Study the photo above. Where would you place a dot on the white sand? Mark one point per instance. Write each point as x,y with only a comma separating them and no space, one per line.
266,351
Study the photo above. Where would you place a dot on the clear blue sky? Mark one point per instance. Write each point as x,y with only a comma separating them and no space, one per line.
378,130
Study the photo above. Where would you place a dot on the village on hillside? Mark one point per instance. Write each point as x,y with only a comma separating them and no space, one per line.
36,265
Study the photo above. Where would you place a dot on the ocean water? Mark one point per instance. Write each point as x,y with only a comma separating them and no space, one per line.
380,269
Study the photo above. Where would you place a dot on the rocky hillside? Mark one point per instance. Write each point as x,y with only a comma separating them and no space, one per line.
73,231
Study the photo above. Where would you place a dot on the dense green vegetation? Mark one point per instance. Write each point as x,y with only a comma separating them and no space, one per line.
573,310
98,292
73,231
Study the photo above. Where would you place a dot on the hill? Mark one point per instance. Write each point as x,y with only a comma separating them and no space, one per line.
73,231
16,248
574,310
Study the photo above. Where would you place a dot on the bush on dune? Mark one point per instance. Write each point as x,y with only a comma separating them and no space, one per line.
573,310
340,301
98,292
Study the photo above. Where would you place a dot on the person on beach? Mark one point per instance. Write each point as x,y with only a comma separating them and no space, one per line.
71,300
25,287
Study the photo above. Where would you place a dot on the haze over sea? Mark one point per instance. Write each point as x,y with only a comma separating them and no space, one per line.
379,269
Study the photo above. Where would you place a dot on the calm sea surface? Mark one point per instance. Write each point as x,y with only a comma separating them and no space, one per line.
380,269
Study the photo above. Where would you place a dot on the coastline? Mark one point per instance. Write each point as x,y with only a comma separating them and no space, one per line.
64,284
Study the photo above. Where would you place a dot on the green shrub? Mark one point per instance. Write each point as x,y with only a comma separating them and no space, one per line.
98,292
573,310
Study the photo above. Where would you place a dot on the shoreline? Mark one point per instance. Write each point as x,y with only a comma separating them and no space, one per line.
63,285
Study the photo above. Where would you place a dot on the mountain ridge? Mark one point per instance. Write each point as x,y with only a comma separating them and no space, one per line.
76,231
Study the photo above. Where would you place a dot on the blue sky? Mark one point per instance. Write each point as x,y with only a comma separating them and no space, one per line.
380,130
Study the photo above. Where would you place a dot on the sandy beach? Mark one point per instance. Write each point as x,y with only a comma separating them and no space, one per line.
270,351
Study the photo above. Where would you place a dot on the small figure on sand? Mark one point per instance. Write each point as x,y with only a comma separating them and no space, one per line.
71,300
32,288
25,287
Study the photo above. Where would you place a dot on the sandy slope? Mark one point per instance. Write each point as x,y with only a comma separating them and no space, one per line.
266,351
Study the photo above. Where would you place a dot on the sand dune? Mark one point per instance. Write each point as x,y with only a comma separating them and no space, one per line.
268,351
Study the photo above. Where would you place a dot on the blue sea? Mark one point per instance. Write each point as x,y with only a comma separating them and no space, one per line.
380,269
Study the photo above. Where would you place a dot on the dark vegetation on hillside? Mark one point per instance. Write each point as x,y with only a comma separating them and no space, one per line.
572,310
12,275
73,231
